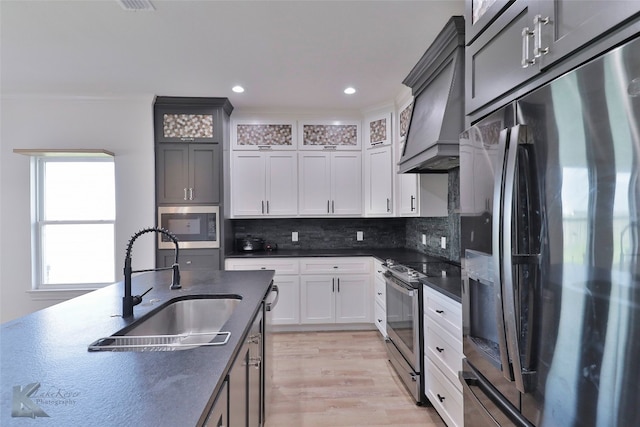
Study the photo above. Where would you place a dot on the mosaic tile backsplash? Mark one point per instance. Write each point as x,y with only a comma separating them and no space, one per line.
187,125
257,134
377,131
330,134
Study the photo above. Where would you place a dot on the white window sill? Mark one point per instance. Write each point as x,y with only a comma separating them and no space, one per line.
56,294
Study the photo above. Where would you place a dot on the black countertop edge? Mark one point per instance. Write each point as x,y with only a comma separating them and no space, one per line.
448,286
50,348
399,255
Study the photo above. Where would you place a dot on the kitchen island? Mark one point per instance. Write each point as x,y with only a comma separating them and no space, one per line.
76,387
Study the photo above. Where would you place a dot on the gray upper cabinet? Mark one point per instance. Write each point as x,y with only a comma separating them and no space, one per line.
494,60
188,173
568,25
511,43
182,119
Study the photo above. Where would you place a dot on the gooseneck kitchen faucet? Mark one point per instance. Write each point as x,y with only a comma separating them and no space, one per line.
129,301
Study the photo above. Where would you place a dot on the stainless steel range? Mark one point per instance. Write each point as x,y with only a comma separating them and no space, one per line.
404,326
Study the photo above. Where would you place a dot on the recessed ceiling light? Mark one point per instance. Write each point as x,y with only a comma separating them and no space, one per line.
237,89
349,91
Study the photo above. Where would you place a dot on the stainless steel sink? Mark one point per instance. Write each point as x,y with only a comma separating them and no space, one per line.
180,325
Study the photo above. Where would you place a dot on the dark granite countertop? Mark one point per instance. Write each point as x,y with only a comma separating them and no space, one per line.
450,286
78,387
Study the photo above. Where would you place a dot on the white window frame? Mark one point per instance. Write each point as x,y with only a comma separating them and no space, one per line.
38,223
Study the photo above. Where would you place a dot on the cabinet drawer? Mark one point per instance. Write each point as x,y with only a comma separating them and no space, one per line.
380,290
380,318
444,350
444,396
281,266
335,265
190,259
444,311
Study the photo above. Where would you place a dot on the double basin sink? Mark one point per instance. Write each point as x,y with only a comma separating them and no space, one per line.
181,324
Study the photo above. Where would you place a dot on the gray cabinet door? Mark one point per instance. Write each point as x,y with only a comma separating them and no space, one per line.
204,173
238,391
568,25
188,173
494,61
172,173
219,413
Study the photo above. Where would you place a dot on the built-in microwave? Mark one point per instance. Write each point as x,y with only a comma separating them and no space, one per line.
195,226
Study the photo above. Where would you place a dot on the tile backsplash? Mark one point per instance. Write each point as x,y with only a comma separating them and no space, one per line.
325,233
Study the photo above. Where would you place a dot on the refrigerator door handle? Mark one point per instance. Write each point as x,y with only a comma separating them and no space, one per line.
497,260
508,289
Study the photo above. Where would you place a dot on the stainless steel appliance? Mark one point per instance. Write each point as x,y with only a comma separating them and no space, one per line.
404,317
195,226
550,245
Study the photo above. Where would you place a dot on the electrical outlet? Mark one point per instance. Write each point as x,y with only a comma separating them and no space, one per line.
424,239
294,236
359,236
443,242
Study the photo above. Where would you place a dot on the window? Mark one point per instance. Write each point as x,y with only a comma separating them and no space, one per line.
74,228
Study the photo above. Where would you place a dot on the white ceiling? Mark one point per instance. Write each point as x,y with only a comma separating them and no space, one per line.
287,54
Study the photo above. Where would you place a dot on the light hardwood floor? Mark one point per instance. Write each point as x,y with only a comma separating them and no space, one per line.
339,379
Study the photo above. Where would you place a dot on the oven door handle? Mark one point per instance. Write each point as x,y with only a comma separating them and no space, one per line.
400,288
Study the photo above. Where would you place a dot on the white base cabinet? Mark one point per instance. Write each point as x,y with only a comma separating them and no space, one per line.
443,355
379,298
317,290
287,310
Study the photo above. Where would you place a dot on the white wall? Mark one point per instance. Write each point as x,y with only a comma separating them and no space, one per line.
122,125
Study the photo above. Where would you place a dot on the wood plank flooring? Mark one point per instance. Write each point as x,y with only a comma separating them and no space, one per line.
339,379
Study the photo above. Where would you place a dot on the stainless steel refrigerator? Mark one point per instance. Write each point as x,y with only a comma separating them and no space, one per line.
550,236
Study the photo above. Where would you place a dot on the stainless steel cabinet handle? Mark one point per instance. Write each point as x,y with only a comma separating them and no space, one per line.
333,207
255,362
190,193
333,284
262,202
538,50
338,284
388,209
267,206
185,193
328,211
526,34
412,207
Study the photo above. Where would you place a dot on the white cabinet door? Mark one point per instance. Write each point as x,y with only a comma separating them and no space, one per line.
330,183
353,299
264,183
378,182
408,197
281,183
346,183
247,184
315,183
317,299
287,310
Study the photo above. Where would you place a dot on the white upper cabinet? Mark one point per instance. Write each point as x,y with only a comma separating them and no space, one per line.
264,184
330,184
378,183
378,130
265,135
328,135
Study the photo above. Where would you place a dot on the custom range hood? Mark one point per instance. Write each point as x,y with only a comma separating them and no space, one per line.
437,84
